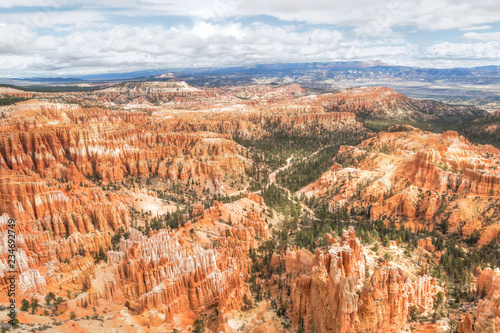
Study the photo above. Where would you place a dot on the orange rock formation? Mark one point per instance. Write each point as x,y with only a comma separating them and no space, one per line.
418,179
487,316
331,293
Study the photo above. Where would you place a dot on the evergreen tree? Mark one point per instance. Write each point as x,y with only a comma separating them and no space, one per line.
25,305
102,255
386,241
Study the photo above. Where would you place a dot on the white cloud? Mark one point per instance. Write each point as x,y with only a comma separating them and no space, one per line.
476,27
204,44
40,19
371,15
425,14
126,48
51,38
15,38
484,37
464,51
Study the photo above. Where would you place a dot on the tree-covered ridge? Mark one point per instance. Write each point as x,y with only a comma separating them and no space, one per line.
10,100
485,130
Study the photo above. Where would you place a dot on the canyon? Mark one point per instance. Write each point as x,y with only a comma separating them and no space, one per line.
147,206
417,179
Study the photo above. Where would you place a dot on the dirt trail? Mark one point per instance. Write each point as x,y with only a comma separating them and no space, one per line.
289,163
272,175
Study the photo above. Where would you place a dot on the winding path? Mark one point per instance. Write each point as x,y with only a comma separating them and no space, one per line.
272,180
272,175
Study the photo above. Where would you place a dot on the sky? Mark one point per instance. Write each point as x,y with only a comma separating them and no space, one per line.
64,38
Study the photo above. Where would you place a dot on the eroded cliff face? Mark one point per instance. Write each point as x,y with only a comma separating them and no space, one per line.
488,309
487,315
176,278
174,275
43,262
65,169
53,156
200,266
57,162
191,270
331,293
47,205
112,152
77,179
418,179
385,103
305,121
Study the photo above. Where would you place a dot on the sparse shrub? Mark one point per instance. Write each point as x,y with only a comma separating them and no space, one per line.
198,326
25,305
386,241
413,313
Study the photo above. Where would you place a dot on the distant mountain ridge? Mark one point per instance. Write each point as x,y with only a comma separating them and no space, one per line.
299,72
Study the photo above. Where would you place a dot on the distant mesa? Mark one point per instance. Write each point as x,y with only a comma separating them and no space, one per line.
165,76
150,87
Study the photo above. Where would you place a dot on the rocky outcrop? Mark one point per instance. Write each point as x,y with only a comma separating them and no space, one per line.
466,325
112,154
310,123
153,91
426,173
171,274
422,292
417,179
487,316
426,243
332,294
42,261
488,282
382,102
257,224
384,302
54,208
254,197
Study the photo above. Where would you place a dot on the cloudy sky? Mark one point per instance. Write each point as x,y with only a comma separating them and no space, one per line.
77,37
